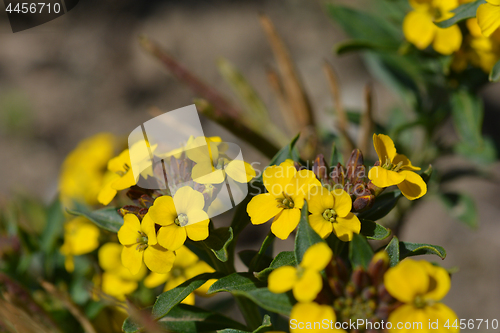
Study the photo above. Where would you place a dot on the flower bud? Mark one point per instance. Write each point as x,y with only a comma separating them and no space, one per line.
320,169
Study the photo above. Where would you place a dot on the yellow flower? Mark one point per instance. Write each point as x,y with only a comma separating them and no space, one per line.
140,244
395,169
488,17
287,189
180,217
305,280
120,175
82,171
186,266
420,30
312,317
117,280
331,212
80,237
420,286
212,166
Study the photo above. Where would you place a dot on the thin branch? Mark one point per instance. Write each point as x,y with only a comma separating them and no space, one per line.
367,125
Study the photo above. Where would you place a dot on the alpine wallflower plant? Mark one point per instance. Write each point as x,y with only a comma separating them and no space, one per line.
140,245
305,280
331,212
180,217
420,286
287,188
395,169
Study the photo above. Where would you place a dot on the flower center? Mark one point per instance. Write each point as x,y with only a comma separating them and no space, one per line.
286,202
389,166
330,215
176,272
181,220
419,302
142,241
221,163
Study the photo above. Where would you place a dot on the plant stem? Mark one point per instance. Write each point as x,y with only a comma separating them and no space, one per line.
250,312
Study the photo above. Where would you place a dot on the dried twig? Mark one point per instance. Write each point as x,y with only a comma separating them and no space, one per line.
290,122
72,307
343,122
366,125
222,112
143,319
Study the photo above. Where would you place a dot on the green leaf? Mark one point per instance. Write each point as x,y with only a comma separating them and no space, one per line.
399,250
184,318
266,326
462,207
373,230
106,218
462,13
384,204
218,241
167,300
365,27
244,284
495,73
336,156
360,252
393,250
285,258
53,227
306,236
355,46
467,111
261,260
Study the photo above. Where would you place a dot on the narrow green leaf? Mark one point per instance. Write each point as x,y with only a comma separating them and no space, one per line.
462,13
259,262
384,204
360,252
306,236
266,326
218,241
462,207
355,46
495,73
393,250
167,300
336,156
53,226
106,218
244,284
285,258
373,230
415,249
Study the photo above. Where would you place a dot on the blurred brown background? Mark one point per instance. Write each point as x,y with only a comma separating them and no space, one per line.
85,73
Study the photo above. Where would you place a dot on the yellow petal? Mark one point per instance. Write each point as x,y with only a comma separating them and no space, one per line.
488,18
198,231
322,227
148,227
440,281
125,181
413,187
285,223
202,291
384,178
384,146
406,163
447,40
282,279
201,150
80,237
415,319
132,258
262,208
474,28
441,313
419,29
197,216
240,171
107,193
186,199
158,259
172,237
107,255
190,299
196,269
117,287
154,279
205,173
350,223
173,282
163,210
308,286
304,314
407,280
129,231
494,2
343,202
277,177
319,200
186,258
317,257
